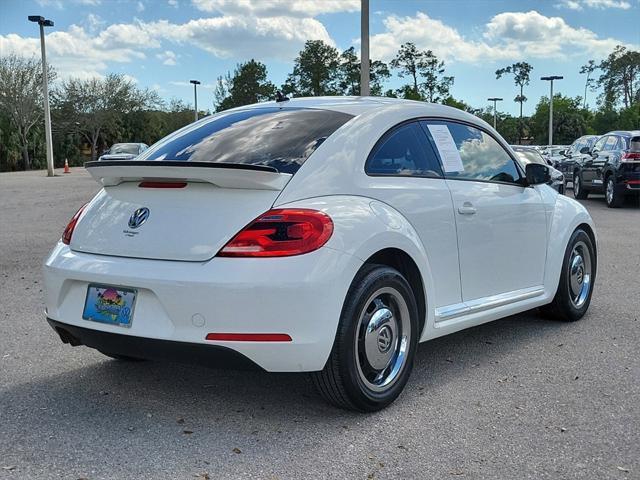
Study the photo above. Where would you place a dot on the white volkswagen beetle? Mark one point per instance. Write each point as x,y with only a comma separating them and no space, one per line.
325,235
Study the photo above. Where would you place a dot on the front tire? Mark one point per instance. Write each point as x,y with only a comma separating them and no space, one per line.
375,343
578,276
578,188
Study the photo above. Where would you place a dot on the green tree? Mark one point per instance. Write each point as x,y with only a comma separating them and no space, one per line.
94,108
436,85
248,85
620,78
570,120
520,72
21,97
316,71
588,69
407,62
349,83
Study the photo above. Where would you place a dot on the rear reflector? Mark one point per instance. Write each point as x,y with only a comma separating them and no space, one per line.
249,337
68,231
162,184
281,233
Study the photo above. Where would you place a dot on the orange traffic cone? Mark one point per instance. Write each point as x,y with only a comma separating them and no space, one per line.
66,166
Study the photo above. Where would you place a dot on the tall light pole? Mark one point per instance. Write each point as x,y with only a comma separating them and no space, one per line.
495,100
364,48
195,96
45,90
550,80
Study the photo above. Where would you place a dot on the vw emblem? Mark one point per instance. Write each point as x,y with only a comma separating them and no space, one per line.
138,217
384,339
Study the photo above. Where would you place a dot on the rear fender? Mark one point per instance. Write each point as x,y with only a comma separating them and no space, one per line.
363,227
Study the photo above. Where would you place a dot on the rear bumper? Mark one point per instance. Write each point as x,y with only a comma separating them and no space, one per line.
182,302
214,356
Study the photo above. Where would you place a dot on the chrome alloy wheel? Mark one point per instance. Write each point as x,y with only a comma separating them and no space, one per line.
383,338
579,274
610,190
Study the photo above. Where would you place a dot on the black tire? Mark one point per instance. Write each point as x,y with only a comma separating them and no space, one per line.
564,305
343,382
613,198
122,358
579,191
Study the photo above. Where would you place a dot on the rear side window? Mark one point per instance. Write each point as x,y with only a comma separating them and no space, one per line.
634,144
483,158
273,137
404,151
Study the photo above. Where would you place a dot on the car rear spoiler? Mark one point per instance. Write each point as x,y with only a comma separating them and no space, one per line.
225,175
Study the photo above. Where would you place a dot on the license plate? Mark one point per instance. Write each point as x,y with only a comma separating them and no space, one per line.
112,305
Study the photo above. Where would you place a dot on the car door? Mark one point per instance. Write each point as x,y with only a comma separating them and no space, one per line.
592,165
501,224
403,171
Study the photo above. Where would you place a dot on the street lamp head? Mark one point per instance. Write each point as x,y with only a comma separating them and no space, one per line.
494,99
40,20
552,77
195,82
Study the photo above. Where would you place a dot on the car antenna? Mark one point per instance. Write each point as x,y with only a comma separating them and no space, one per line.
281,97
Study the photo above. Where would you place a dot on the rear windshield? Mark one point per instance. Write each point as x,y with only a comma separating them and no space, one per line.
634,144
529,156
278,138
124,148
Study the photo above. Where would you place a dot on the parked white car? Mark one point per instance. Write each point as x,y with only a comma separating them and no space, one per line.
123,151
325,235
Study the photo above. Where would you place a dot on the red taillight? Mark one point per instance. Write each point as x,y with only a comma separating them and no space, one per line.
68,232
249,337
281,233
162,184
631,156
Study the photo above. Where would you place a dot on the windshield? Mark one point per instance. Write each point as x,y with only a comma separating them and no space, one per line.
530,156
124,148
274,137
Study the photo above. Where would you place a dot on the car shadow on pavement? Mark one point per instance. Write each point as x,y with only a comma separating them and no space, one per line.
128,392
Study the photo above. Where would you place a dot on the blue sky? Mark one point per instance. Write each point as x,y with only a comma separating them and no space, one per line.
161,44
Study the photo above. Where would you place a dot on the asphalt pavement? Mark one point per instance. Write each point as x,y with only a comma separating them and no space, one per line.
522,397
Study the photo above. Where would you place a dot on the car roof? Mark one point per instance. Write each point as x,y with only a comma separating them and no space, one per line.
625,133
353,105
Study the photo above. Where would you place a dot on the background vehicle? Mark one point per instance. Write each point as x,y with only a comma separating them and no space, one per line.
124,151
326,235
577,151
612,168
528,155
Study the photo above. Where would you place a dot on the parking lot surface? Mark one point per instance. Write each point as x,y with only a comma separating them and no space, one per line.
522,397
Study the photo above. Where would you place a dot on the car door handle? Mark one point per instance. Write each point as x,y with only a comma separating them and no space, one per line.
467,208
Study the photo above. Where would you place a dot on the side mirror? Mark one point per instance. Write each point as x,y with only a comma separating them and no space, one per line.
537,174
584,150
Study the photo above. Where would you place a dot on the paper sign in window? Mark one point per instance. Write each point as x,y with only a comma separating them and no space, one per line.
451,161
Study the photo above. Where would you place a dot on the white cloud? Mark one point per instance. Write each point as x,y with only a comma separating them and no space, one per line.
60,4
428,33
140,7
598,4
173,3
182,83
168,57
507,36
89,49
538,36
276,8
245,37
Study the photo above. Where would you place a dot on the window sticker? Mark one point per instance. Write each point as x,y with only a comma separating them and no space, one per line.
451,161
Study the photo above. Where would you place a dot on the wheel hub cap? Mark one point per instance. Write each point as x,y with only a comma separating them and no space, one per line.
579,274
383,339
